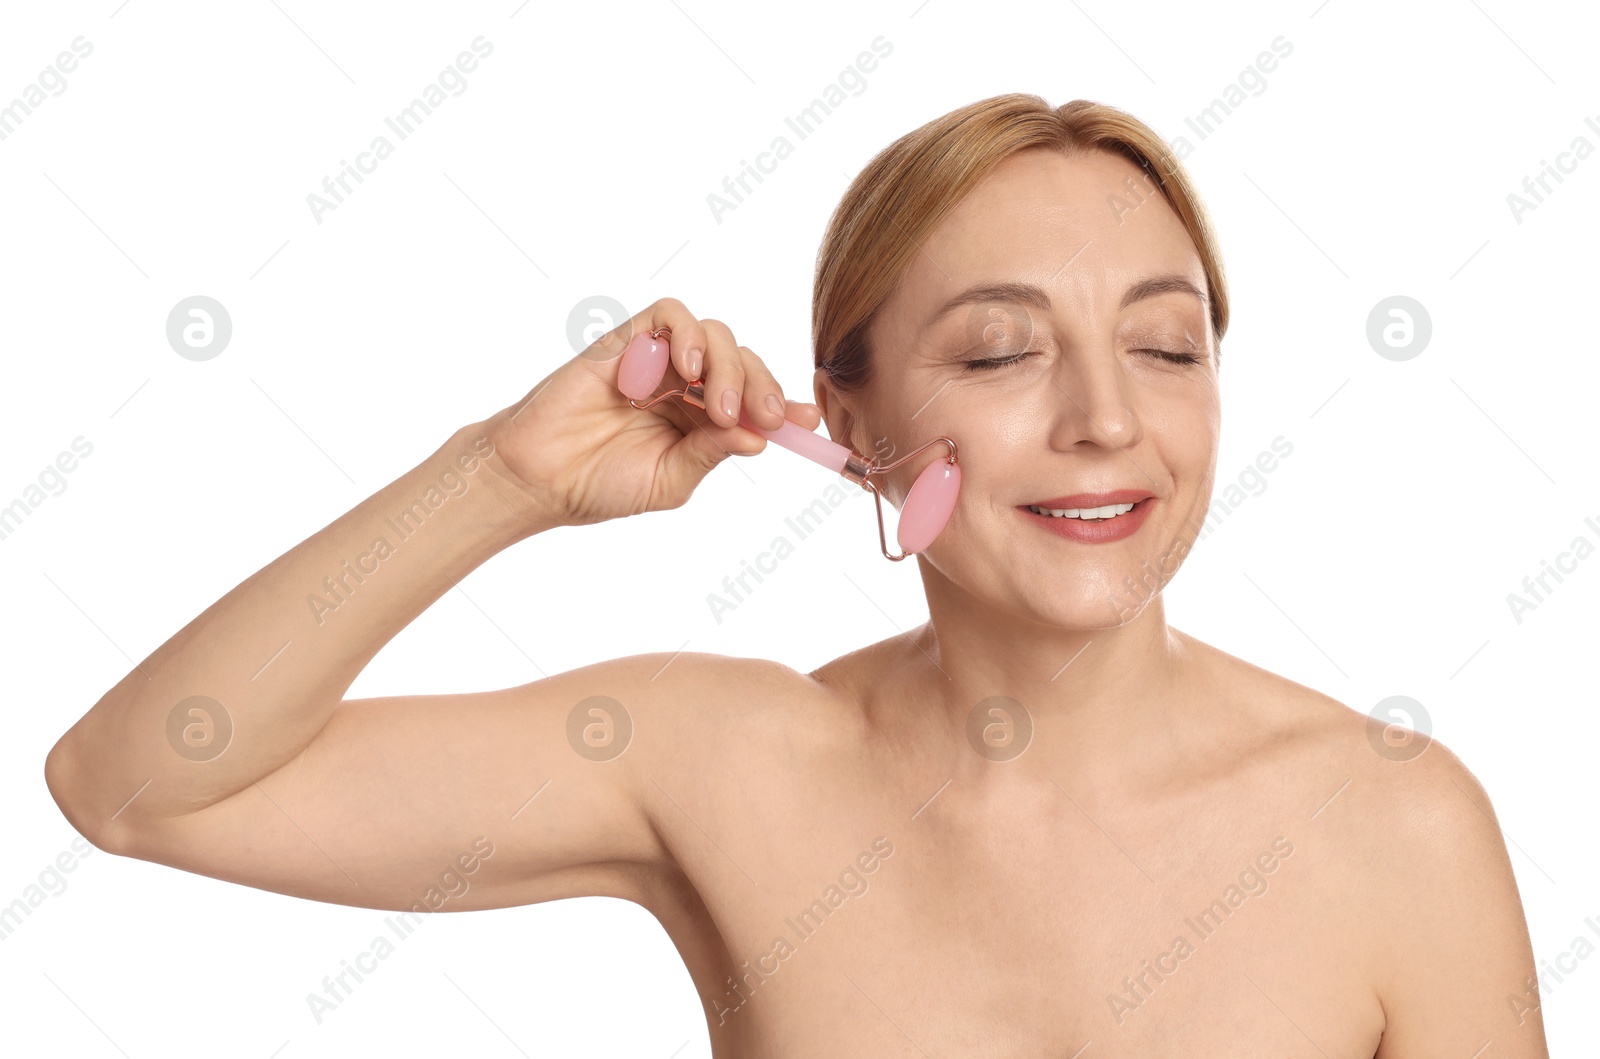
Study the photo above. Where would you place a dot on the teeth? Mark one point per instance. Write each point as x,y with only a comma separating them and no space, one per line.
1092,513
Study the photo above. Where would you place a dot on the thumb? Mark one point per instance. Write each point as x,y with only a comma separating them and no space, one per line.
692,456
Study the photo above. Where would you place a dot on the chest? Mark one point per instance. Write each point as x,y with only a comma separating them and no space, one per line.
1020,925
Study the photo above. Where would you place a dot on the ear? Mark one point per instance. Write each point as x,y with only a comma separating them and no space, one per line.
836,412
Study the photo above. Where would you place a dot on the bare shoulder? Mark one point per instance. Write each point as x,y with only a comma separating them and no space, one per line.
704,705
1412,852
1410,785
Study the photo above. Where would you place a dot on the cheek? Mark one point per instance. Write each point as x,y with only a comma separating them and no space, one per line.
993,443
1186,427
916,427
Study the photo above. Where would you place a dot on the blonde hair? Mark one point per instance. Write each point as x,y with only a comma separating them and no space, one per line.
896,202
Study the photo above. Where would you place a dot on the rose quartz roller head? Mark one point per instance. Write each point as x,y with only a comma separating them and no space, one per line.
928,505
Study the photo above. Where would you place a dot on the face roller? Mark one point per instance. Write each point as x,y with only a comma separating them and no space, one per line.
928,504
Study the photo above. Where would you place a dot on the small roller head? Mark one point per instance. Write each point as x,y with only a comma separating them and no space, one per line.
643,366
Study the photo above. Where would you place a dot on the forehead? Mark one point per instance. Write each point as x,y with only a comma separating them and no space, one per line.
1084,227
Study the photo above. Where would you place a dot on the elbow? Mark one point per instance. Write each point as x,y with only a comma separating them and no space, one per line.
63,778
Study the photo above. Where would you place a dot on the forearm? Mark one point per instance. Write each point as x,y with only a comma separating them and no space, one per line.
275,656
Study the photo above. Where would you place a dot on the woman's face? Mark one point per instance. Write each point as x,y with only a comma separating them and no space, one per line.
1088,403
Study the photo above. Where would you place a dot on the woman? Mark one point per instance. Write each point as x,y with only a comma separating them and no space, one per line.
1042,821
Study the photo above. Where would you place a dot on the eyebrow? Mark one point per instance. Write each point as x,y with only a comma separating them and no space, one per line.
1029,294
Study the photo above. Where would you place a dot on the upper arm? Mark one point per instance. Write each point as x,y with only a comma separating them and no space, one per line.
1458,960
451,802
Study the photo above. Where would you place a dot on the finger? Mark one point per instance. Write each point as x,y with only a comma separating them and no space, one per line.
724,374
603,358
763,397
688,339
728,441
805,413
688,418
736,440
674,411
686,464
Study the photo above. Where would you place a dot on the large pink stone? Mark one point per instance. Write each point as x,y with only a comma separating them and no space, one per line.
928,505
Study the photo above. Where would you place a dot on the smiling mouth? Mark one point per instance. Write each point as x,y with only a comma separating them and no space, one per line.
1105,522
1087,514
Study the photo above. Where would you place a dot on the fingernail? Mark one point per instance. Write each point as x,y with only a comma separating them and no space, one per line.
730,403
775,404
694,364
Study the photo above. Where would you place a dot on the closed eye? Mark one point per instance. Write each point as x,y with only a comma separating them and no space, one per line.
986,363
1176,358
990,363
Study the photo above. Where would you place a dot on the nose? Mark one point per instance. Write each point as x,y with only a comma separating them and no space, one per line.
1093,400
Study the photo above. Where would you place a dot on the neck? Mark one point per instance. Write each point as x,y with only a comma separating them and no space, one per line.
1096,698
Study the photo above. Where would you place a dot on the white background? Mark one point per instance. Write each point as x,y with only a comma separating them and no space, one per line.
1376,562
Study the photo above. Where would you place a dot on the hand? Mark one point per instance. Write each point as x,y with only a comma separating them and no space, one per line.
576,452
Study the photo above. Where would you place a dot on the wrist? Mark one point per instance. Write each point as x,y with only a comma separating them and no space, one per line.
509,509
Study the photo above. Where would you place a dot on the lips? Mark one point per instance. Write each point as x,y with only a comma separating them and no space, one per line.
1079,501
1095,531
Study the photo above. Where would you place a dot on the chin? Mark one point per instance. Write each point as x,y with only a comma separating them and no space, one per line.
1093,611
